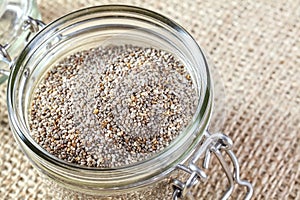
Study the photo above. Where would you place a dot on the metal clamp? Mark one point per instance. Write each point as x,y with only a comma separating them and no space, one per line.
214,143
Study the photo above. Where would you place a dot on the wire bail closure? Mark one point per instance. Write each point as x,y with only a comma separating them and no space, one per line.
214,143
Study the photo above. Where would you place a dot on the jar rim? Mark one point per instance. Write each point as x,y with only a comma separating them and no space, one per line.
146,169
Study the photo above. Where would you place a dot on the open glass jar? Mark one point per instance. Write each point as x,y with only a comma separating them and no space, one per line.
168,174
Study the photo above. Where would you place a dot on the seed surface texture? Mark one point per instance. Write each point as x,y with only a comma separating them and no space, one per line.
112,106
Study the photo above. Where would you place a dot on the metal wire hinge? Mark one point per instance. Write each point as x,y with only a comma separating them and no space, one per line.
4,54
215,143
33,25
4,57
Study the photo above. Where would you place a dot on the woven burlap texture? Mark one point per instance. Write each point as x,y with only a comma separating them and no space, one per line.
255,48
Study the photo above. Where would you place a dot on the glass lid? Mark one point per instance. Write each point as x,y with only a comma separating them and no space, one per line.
13,13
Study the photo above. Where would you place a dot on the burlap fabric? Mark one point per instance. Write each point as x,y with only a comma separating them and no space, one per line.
255,48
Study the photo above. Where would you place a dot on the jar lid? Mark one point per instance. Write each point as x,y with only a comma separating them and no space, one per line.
13,13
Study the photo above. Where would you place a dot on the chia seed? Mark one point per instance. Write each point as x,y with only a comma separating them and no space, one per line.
112,106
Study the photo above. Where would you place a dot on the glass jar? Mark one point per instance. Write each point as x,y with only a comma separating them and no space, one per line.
169,174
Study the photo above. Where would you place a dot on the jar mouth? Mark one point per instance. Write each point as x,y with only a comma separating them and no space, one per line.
26,71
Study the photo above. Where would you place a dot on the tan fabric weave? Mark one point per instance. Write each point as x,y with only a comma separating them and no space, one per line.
255,49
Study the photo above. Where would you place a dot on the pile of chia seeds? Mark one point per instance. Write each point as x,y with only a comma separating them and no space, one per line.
112,106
